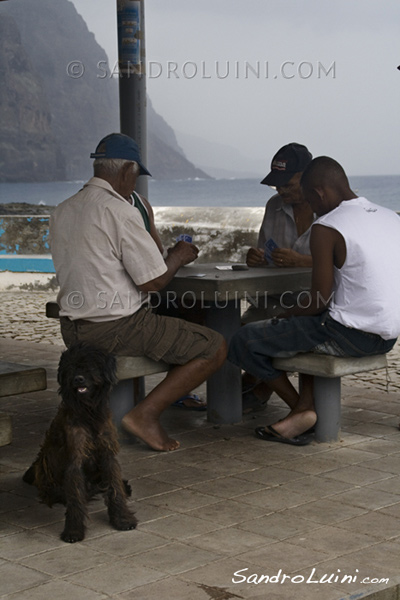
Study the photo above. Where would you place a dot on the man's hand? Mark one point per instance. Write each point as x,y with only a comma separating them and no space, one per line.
185,252
255,258
285,257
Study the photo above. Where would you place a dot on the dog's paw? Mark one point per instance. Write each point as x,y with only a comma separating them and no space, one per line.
71,537
125,524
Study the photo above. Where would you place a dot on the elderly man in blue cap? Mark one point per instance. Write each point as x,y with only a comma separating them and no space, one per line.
108,258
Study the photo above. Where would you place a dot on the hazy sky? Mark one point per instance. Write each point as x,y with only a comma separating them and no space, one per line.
320,73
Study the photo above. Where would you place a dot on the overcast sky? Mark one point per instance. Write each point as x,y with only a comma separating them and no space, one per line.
320,73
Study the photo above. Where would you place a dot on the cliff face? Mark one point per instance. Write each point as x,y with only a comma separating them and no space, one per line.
60,110
28,148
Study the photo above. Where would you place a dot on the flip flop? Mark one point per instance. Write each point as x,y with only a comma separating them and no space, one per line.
269,434
180,403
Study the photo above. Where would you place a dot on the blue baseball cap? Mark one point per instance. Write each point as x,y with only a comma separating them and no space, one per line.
118,145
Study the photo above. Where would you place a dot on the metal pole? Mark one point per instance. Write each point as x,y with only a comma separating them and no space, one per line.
132,79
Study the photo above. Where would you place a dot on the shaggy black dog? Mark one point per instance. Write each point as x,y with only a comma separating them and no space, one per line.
78,457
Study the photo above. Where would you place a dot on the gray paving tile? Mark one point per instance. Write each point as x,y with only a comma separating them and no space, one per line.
15,578
327,511
283,555
313,487
357,475
390,485
229,487
276,498
368,498
125,543
376,524
333,541
148,512
71,558
170,587
393,510
182,500
27,543
146,487
8,529
346,576
279,525
219,574
329,461
373,429
229,512
389,464
113,579
230,540
35,516
11,502
270,476
180,526
184,476
61,590
175,558
380,560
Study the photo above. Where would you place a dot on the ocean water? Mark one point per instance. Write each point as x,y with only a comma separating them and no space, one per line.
382,189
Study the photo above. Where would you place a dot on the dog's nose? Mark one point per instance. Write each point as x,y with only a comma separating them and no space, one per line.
79,380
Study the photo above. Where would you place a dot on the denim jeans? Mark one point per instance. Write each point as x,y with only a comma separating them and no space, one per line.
255,345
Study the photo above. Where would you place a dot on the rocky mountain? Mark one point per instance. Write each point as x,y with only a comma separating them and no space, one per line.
28,147
54,102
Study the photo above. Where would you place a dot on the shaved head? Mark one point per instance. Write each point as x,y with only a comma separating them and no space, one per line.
325,172
325,185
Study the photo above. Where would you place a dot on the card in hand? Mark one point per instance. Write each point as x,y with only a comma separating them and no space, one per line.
269,247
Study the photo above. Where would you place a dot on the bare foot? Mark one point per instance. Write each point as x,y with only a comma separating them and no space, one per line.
149,431
296,423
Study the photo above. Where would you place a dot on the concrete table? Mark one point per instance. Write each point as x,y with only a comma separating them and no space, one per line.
220,293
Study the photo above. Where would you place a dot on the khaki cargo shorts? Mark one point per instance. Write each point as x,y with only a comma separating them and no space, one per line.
145,333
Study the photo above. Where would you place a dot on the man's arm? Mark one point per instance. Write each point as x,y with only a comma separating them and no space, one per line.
178,256
323,245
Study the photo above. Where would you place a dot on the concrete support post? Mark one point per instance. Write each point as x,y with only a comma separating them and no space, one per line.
225,386
327,406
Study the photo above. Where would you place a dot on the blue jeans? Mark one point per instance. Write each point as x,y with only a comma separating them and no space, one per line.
255,345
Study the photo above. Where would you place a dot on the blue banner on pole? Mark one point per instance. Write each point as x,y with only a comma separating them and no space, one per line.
129,44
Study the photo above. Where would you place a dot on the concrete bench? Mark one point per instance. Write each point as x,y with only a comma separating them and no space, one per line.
17,379
131,371
327,371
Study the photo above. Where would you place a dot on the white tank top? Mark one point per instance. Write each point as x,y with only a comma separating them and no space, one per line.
367,287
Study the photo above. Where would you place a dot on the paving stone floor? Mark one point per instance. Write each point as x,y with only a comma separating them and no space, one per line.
224,503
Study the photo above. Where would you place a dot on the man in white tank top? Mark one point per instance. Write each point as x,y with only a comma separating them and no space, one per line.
353,307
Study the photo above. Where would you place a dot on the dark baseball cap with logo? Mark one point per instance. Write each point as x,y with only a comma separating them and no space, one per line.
118,145
289,160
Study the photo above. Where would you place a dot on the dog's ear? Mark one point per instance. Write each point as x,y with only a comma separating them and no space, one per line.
61,366
110,371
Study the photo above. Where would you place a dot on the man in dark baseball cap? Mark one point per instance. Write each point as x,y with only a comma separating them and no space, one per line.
283,241
118,145
289,160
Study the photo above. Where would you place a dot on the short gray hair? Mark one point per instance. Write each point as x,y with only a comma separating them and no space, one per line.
111,166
